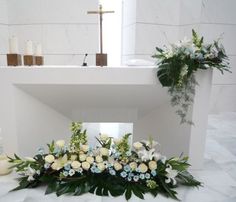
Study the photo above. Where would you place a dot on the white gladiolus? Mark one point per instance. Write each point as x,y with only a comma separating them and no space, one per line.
30,159
104,151
82,157
49,158
75,165
60,143
85,165
99,159
171,174
117,166
84,148
104,137
90,159
138,145
152,165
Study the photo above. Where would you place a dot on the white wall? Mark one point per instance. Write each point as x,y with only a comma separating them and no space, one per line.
3,31
156,23
63,27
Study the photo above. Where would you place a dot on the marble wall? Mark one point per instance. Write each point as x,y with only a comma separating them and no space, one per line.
63,27
156,22
3,31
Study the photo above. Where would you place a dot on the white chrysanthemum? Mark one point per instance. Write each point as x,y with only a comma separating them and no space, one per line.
143,168
49,158
60,143
85,165
75,165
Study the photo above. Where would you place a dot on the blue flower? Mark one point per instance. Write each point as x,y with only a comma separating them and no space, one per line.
142,176
136,178
137,170
131,175
128,153
40,151
47,165
80,170
67,167
65,173
154,173
127,168
117,155
93,169
71,172
97,170
123,174
112,172
147,176
129,178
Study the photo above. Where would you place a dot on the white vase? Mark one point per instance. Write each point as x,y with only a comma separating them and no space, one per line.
4,165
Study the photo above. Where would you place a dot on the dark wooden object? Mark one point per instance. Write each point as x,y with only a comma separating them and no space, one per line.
14,59
29,60
39,60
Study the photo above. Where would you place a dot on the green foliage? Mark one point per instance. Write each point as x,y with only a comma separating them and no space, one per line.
123,146
178,64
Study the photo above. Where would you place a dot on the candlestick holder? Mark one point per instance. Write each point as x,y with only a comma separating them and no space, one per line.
39,60
29,60
14,59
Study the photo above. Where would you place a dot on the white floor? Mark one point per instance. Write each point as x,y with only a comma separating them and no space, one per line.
219,172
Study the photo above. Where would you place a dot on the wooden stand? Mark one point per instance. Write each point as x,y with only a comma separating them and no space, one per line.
14,59
29,60
101,59
39,60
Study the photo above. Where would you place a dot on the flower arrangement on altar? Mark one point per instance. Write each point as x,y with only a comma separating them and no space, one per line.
112,168
178,63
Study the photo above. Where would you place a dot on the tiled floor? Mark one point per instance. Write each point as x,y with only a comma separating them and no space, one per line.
219,171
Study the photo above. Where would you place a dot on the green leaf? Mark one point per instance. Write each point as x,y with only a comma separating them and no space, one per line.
137,192
128,193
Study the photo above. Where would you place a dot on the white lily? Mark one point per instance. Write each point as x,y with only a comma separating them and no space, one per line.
171,174
149,155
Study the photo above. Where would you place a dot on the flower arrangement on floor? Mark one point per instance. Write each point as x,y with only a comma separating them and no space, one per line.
112,168
178,63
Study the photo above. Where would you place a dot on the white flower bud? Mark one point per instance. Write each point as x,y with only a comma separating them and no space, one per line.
117,166
138,145
152,165
143,168
84,148
60,143
99,159
90,159
85,165
104,151
82,157
49,158
101,166
75,165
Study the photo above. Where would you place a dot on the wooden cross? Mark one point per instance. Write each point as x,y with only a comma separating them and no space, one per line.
101,58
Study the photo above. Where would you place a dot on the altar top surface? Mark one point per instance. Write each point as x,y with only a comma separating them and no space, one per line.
80,75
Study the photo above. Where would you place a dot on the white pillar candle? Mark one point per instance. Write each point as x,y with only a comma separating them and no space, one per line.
4,165
29,48
13,45
38,50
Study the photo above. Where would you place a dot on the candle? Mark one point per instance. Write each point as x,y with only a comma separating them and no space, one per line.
38,50
29,48
1,143
13,45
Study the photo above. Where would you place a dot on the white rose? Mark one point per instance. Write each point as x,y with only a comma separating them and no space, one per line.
101,166
85,165
104,151
90,159
49,158
104,137
152,165
138,145
60,143
117,166
73,157
143,168
75,165
82,157
99,159
84,148
133,165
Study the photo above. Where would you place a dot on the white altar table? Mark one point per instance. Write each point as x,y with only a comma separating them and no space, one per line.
37,104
